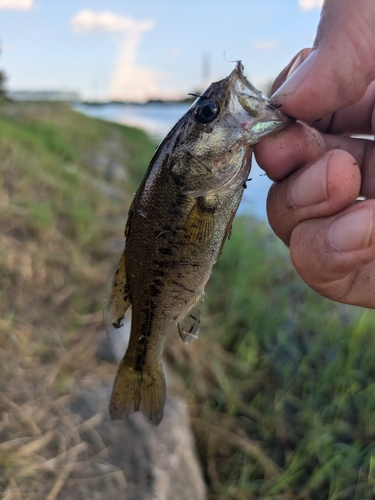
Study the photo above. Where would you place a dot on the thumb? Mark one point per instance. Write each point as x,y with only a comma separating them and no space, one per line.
337,71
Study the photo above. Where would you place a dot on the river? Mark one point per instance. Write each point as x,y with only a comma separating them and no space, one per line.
157,119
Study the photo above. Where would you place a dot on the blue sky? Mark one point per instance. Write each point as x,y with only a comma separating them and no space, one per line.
142,49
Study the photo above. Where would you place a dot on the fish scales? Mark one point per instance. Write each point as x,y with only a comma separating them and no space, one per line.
176,227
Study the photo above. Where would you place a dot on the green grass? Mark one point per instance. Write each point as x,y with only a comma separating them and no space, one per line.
280,384
284,372
53,163
62,209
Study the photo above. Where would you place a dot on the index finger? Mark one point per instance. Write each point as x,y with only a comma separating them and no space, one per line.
284,152
356,119
340,67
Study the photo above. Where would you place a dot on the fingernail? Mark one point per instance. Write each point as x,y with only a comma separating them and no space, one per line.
294,66
352,231
310,187
297,75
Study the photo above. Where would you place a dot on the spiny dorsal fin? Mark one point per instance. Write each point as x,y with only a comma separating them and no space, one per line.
188,326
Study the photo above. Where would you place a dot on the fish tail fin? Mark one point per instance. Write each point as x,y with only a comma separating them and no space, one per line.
142,390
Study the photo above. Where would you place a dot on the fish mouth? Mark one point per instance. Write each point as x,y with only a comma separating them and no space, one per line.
252,108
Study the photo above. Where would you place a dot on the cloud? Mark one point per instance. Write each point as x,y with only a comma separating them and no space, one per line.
264,44
129,80
310,4
16,4
88,21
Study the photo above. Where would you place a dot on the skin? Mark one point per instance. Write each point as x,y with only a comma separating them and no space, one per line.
318,170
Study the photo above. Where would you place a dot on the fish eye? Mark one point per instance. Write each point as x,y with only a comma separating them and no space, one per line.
206,110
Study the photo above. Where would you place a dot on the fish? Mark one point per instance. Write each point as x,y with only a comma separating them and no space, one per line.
179,219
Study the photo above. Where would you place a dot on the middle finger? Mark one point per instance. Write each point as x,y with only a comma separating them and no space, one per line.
319,189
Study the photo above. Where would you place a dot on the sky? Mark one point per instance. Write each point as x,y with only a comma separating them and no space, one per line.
146,49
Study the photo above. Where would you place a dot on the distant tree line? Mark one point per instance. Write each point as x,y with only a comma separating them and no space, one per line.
2,83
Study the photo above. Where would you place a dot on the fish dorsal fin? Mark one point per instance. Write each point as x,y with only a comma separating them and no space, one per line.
120,301
188,326
120,295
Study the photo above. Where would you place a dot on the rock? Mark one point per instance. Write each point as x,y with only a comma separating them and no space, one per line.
158,462
113,342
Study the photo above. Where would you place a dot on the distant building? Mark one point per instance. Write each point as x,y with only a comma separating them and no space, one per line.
34,95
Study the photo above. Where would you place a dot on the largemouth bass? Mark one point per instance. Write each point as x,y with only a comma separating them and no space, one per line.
177,224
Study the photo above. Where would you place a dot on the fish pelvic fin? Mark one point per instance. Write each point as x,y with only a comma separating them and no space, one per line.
119,300
135,390
188,325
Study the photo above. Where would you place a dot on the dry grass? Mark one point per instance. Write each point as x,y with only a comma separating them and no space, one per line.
45,448
56,264
280,383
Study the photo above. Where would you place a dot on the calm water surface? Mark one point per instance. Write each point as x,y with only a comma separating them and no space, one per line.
157,119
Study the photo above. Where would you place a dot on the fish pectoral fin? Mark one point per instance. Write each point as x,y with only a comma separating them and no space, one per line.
188,326
119,300
198,228
135,390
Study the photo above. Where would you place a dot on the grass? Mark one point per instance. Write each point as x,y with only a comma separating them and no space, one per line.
62,210
280,384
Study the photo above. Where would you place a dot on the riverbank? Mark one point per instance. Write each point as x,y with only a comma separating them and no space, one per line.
279,385
66,184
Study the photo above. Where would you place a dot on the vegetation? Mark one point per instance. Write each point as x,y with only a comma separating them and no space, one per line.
280,384
3,79
63,197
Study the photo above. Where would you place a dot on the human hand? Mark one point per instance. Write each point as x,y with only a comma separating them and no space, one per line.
319,170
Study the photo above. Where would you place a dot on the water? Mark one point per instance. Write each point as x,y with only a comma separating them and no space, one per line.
157,119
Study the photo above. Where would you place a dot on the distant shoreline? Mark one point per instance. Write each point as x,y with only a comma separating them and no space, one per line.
187,100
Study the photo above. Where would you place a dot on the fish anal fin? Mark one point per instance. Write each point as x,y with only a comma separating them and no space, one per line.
119,300
142,390
188,326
